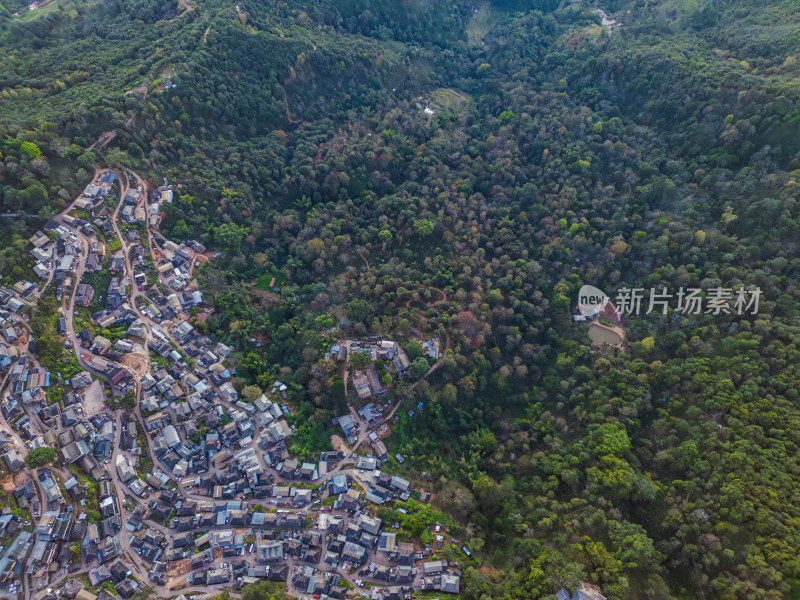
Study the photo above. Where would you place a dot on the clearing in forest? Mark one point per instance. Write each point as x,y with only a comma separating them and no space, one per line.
593,32
449,98
270,282
481,24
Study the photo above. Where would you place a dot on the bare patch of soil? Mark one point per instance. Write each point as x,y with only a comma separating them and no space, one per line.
339,444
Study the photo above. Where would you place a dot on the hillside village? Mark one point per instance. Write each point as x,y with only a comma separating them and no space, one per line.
164,481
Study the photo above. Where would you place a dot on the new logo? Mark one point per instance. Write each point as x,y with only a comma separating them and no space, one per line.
591,301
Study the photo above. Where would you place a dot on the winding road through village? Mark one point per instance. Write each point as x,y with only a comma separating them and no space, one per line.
127,501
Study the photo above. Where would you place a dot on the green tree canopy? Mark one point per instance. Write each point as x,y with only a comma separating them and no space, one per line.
39,457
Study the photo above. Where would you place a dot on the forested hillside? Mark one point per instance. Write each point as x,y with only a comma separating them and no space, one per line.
555,151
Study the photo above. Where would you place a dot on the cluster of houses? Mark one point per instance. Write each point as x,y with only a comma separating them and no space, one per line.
79,436
133,206
161,308
65,525
227,463
57,250
86,441
43,252
384,355
11,328
96,192
158,197
223,462
66,253
168,306
15,298
368,382
256,543
229,455
17,543
57,254
371,414
82,441
26,388
105,356
73,589
176,267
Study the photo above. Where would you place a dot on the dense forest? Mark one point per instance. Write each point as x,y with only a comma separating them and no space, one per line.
371,153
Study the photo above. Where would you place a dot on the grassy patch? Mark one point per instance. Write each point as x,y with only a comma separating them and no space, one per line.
27,15
417,523
92,502
262,283
115,332
145,464
100,282
81,319
448,98
481,23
